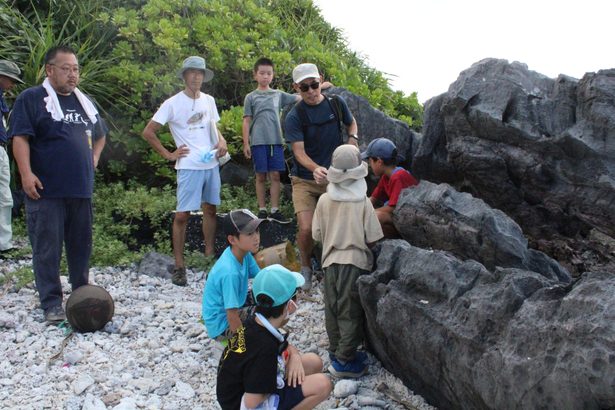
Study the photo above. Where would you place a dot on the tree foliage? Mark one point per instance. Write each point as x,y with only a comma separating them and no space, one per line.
130,52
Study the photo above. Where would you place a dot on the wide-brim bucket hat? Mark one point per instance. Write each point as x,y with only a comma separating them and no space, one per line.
196,63
9,69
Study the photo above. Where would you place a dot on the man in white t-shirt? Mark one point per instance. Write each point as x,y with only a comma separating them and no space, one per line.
192,116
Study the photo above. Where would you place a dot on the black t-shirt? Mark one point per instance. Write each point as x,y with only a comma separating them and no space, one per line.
249,364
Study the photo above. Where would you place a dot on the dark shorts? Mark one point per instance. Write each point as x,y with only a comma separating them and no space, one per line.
268,158
290,397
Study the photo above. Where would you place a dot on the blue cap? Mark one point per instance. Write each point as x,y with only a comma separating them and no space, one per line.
278,283
380,148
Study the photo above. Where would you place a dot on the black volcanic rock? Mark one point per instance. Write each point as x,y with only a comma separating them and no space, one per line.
467,337
540,149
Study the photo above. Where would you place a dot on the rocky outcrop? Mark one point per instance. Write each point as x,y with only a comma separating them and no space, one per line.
540,149
374,124
439,217
465,336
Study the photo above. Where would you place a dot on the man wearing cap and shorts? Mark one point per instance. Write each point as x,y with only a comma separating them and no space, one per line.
258,368
312,128
226,301
191,115
9,75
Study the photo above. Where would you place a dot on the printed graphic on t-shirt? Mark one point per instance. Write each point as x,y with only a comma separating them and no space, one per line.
237,343
74,117
196,117
196,121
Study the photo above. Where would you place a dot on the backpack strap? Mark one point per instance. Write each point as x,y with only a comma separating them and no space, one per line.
334,104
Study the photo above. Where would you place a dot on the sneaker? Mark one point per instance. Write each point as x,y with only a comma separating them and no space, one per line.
278,217
179,276
262,214
55,314
359,357
352,369
307,275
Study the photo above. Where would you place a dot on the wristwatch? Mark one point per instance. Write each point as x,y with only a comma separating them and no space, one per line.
355,136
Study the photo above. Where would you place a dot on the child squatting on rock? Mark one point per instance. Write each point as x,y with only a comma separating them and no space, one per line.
383,158
346,225
259,369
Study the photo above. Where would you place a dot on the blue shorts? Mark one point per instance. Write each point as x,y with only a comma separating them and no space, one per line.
290,397
197,186
268,158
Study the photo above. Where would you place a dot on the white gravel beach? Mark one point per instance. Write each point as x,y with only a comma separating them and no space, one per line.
154,354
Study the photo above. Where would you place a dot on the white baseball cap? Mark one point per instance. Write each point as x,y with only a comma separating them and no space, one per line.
303,71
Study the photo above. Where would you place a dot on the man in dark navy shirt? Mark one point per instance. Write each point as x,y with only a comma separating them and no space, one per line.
9,75
312,128
57,140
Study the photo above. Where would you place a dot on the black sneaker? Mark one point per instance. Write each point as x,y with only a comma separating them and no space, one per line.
278,217
262,214
179,277
55,315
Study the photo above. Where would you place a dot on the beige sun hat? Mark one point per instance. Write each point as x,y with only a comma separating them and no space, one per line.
346,164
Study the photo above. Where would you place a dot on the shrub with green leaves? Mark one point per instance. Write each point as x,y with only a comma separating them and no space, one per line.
130,219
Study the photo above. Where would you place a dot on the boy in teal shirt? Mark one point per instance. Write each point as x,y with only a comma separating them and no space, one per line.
225,298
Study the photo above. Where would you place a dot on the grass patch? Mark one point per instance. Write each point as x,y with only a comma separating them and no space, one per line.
20,276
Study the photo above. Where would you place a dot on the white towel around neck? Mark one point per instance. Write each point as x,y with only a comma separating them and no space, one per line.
53,104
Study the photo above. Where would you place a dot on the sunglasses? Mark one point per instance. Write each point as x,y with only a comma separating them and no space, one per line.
313,86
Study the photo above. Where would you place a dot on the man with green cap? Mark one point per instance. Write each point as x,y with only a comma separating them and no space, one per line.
192,116
9,75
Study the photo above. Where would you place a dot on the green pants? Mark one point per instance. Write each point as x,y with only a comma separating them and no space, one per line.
343,311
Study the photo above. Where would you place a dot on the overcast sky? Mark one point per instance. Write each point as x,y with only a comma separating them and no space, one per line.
424,45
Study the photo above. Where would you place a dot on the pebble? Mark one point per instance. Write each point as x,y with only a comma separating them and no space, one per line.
82,382
345,388
154,354
184,390
73,357
93,403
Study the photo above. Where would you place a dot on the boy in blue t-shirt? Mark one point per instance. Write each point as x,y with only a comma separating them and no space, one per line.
225,298
262,136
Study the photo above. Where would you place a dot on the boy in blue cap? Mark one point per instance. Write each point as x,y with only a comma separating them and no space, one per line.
259,369
382,157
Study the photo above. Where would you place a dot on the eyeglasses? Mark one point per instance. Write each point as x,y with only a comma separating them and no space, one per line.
313,86
68,69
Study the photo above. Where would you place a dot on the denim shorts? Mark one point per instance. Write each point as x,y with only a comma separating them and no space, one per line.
197,186
268,158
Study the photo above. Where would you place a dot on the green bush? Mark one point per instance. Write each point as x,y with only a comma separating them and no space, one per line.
130,219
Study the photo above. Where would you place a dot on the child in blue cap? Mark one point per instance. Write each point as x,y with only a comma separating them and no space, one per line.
382,157
259,369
